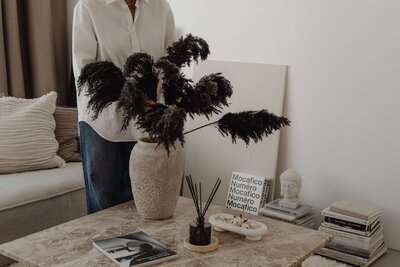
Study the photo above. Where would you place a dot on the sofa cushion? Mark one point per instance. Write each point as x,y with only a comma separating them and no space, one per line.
24,188
67,133
27,140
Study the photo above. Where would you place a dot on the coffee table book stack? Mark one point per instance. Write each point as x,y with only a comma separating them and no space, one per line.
301,216
357,231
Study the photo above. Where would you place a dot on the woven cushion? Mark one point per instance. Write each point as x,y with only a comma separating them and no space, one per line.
67,133
27,140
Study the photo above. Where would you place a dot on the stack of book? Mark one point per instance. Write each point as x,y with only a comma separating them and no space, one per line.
302,215
357,231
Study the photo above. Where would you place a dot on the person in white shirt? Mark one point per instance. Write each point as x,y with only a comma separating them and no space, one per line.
113,30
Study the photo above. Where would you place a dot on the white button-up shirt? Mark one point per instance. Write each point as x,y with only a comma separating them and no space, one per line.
104,30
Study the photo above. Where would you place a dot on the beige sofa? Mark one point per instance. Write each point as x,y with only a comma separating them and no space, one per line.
36,200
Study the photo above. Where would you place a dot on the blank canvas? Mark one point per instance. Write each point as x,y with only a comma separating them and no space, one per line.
208,155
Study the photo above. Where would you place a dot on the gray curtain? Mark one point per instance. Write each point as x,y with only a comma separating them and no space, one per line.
33,49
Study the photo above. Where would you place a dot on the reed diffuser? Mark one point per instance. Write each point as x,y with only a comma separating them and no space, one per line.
199,230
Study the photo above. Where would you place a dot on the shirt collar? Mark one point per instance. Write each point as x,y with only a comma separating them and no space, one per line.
107,2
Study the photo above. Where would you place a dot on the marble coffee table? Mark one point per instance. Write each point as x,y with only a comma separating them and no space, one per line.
70,244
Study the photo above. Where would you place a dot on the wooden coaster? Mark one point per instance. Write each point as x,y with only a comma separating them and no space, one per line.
212,246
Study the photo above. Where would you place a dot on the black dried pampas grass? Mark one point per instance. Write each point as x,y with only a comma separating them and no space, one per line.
140,68
136,89
187,49
163,123
208,96
248,125
132,102
103,82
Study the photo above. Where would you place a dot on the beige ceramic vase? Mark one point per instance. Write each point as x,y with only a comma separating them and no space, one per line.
155,179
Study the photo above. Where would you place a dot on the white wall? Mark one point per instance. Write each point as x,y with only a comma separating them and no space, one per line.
343,88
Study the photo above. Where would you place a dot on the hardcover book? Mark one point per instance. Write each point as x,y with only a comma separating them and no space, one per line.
355,260
354,250
350,224
137,249
277,214
366,245
265,191
350,236
351,230
329,213
355,209
298,212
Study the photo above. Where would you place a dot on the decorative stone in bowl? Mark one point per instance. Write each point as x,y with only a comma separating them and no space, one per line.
226,222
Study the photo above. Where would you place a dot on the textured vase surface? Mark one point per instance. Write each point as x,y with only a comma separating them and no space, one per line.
155,179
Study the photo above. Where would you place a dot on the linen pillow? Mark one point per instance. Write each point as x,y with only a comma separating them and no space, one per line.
27,140
67,133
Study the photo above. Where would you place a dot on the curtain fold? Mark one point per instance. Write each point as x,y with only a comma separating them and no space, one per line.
33,48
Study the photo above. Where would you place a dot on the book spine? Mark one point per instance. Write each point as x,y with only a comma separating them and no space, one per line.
355,260
265,193
345,229
344,234
278,219
355,213
352,225
272,213
344,246
346,241
349,251
335,215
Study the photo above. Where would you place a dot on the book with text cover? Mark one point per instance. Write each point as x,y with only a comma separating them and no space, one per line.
351,230
355,209
137,249
335,215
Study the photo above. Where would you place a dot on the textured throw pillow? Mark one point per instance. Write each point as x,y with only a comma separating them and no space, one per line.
27,140
67,133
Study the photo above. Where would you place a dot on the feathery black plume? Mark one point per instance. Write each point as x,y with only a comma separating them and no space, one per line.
187,49
164,123
140,67
132,101
103,81
174,81
250,125
208,96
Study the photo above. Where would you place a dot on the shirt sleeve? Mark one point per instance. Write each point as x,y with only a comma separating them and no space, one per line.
170,30
84,42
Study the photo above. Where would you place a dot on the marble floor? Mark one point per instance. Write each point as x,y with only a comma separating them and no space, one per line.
390,259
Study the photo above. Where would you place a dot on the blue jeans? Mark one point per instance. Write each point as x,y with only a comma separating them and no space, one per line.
105,170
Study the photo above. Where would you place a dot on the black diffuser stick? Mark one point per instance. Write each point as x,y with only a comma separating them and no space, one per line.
197,196
213,191
201,204
211,197
191,187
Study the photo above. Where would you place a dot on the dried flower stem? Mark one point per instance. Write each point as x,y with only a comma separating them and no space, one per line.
198,128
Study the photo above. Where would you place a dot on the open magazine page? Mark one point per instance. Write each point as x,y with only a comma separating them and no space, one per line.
137,249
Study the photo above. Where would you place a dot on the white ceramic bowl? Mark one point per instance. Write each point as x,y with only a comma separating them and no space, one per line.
251,234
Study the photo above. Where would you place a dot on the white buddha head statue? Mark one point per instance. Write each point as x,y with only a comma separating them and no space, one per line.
290,184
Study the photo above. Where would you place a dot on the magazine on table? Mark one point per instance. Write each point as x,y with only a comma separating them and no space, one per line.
137,249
